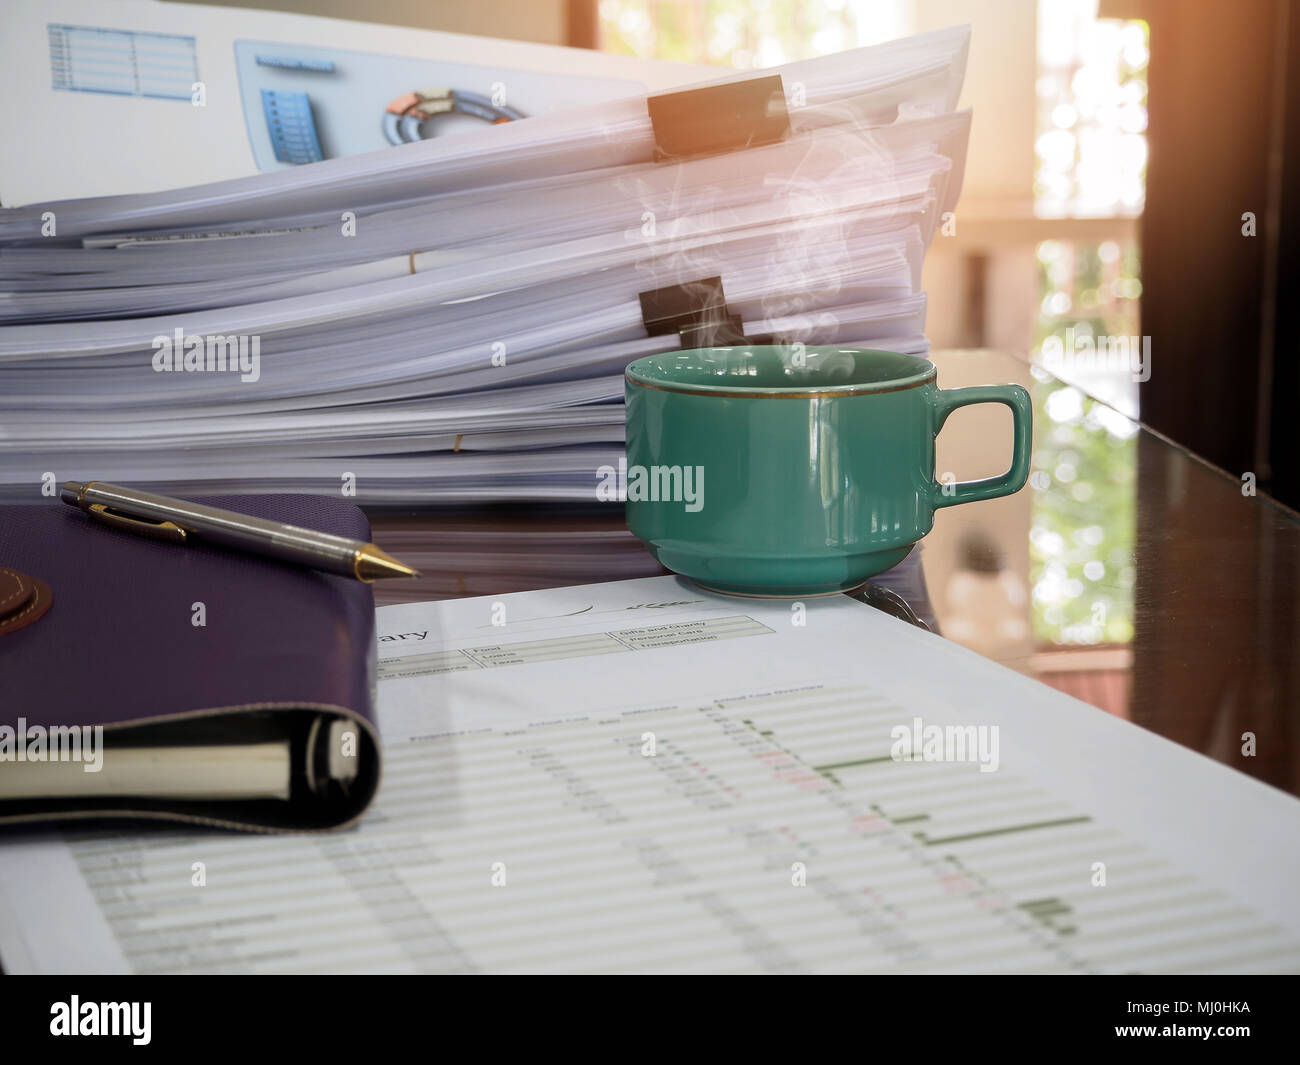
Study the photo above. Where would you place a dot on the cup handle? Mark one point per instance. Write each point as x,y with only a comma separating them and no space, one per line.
948,400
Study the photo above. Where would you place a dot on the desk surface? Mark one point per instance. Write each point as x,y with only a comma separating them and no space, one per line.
1129,573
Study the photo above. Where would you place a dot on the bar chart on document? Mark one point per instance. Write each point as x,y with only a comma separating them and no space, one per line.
767,827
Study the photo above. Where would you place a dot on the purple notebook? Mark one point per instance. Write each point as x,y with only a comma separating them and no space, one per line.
231,689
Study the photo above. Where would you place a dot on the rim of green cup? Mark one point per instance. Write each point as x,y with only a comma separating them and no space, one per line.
656,372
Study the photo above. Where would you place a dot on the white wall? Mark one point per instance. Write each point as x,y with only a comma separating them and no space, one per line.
1000,86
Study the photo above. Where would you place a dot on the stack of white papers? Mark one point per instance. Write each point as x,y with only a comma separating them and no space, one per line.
449,320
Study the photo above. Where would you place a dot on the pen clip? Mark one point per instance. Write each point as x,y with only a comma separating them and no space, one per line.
157,530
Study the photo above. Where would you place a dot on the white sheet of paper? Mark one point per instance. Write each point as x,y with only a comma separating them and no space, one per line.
645,776
82,138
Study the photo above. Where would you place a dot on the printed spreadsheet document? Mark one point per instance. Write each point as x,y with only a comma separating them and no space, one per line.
643,776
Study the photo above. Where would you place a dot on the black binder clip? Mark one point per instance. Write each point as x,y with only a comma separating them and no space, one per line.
696,311
714,334
719,118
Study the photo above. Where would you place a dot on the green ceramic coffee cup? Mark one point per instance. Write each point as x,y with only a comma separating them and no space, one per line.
794,471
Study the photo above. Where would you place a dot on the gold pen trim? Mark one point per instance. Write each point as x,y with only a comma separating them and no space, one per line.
356,566
371,563
155,530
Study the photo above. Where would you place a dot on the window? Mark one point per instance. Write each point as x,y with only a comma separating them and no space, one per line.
748,33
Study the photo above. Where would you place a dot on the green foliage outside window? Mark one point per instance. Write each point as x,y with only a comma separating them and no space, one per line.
1085,462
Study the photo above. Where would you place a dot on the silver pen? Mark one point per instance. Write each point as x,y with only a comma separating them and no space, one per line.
176,520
